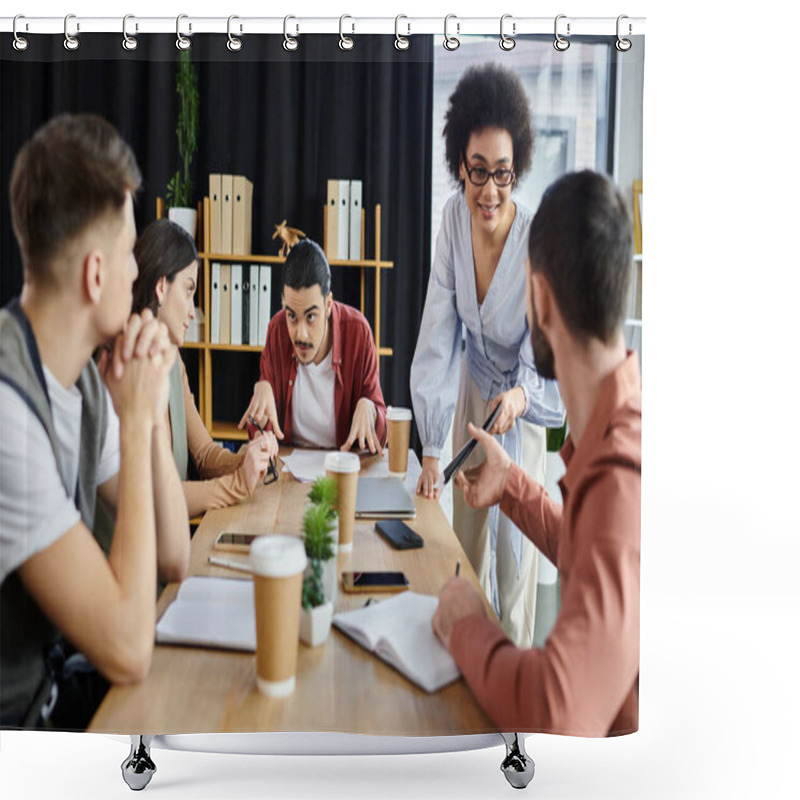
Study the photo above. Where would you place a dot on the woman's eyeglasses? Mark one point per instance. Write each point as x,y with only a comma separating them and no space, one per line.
271,474
502,176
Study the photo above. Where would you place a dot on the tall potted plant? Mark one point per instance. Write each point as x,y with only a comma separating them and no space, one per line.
179,187
319,522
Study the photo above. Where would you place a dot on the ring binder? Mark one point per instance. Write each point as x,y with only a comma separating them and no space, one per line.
182,43
289,43
401,42
561,44
20,42
507,43
71,43
234,44
128,42
623,45
345,42
451,42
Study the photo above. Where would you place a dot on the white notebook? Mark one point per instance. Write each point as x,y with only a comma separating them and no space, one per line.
211,612
398,631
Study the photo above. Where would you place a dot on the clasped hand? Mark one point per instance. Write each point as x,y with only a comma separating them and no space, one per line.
135,368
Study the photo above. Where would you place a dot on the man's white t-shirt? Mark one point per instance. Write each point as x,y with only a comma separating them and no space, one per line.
35,508
313,417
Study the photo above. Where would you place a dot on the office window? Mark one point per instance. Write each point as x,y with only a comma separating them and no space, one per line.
569,96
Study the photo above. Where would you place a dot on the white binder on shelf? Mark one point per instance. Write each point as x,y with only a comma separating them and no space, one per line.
215,288
236,304
355,221
225,304
264,302
255,286
246,304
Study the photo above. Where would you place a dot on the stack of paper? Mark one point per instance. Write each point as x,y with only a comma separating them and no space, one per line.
211,612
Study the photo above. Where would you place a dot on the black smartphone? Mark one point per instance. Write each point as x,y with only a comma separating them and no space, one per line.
398,534
463,454
374,581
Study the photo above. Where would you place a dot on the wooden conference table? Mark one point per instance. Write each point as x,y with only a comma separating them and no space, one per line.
340,686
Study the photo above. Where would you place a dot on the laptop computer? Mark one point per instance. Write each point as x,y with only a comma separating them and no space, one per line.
383,498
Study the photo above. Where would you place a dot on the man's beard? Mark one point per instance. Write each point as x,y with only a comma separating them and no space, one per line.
542,352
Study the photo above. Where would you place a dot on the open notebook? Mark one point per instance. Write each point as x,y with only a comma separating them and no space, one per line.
398,630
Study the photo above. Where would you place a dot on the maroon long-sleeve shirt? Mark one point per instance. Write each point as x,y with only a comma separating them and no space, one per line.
584,680
354,362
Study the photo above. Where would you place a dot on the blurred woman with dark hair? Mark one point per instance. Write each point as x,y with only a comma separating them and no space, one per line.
477,281
167,281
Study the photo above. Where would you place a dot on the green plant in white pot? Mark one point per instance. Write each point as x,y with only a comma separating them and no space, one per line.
317,610
179,188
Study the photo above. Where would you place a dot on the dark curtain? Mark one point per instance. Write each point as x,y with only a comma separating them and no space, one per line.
288,121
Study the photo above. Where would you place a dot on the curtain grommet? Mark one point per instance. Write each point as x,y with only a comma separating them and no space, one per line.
129,42
346,42
290,44
451,43
507,43
234,44
401,42
20,42
623,45
71,43
561,44
182,42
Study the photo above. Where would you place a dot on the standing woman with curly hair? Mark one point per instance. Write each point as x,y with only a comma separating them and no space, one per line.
167,261
478,280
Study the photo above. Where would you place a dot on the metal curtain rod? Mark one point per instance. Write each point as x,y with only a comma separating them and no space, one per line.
453,25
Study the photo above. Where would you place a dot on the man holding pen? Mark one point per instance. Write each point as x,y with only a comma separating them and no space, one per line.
584,680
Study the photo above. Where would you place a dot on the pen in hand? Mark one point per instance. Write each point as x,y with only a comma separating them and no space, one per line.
272,473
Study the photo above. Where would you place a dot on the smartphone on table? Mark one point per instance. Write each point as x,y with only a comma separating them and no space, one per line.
235,542
374,581
398,534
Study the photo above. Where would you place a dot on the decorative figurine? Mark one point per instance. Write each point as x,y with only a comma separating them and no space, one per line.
288,236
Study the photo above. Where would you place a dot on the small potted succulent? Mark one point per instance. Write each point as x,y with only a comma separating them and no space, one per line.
319,581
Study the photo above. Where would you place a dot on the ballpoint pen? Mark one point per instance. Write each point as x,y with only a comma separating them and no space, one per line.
272,473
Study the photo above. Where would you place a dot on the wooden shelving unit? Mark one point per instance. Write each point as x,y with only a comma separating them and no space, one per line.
228,430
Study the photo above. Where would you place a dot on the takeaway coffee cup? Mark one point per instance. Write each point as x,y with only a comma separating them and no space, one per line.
277,563
343,468
398,423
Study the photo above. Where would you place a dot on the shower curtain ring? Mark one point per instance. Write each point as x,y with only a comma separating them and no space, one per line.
623,45
71,42
234,43
401,42
561,44
20,42
346,42
451,42
289,42
507,42
182,43
129,42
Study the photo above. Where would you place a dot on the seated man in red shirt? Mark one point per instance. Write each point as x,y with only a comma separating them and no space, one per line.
584,680
319,382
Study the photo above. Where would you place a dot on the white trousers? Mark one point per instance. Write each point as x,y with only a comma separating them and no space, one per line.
512,590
